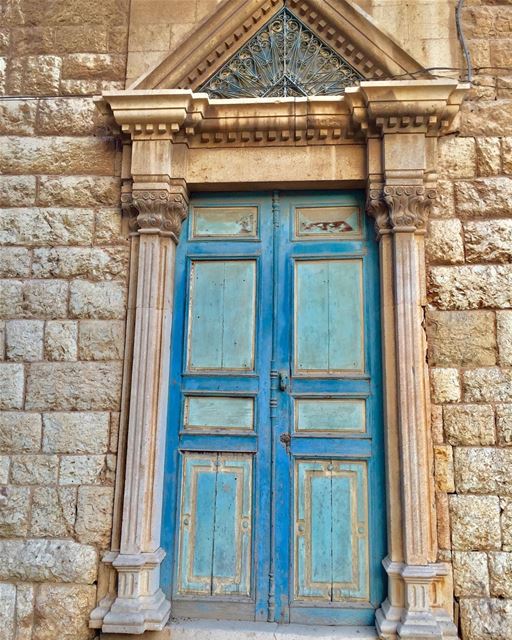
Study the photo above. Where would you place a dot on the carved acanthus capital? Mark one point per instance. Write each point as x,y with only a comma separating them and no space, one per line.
377,208
160,211
409,205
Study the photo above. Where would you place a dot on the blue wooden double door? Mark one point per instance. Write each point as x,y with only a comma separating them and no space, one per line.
274,500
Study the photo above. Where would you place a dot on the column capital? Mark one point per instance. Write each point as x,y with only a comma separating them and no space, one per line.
160,208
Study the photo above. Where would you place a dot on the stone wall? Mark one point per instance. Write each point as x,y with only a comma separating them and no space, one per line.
469,328
63,269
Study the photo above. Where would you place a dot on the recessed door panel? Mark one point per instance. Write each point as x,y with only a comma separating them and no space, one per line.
211,413
330,416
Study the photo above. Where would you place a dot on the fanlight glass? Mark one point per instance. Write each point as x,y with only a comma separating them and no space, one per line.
284,59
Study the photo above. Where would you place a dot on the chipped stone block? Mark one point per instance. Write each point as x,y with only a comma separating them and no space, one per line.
14,262
469,424
12,383
69,116
24,340
70,386
506,523
78,191
34,469
471,286
457,157
11,298
101,339
45,298
8,610
90,469
444,242
98,66
97,300
444,204
475,523
5,462
443,464
108,228
500,569
483,198
504,329
486,619
489,241
20,432
488,156
483,470
62,611
60,340
14,511
445,385
24,611
53,512
470,573
504,424
17,191
46,226
2,340
93,263
18,117
487,385
34,75
75,432
94,515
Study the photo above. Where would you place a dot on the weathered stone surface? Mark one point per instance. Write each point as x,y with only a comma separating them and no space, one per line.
45,298
461,338
24,611
487,385
8,610
5,463
444,242
504,330
14,512
94,515
17,117
97,300
443,521
2,339
14,262
102,66
489,241
11,296
20,432
457,157
506,523
33,40
17,191
53,512
34,75
483,470
488,156
475,523
483,198
486,619
504,424
60,340
34,469
108,227
62,612
115,419
47,561
24,340
84,470
85,262
445,385
75,432
93,40
46,226
74,385
62,155
80,87
506,147
471,287
469,424
78,191
443,464
500,569
486,118
444,204
12,383
101,339
69,116
470,573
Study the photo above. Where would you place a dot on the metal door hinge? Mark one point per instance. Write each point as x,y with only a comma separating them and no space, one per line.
284,380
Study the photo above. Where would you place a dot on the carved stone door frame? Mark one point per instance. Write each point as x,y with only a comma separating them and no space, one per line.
381,136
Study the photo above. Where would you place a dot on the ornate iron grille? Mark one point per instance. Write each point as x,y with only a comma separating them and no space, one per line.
284,58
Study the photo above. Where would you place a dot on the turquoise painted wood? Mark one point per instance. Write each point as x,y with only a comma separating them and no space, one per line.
274,504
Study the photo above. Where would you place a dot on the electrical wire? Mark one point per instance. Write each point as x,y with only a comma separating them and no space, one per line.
462,39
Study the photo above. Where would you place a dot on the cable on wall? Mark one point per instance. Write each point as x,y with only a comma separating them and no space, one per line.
462,39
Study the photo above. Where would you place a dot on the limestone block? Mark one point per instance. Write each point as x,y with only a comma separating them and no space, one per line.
34,469
3,67
115,419
33,40
487,385
94,515
14,512
444,204
469,424
46,226
11,298
108,227
470,573
69,116
506,147
489,241
443,521
58,155
34,75
5,463
457,157
487,118
101,339
90,39
436,424
8,610
444,242
93,263
501,55
471,287
504,329
48,561
98,66
500,569
506,523
97,300
20,432
80,87
78,191
475,523
17,117
12,383
71,12
445,385
24,611
75,432
2,339
62,611
17,191
24,340
504,424
443,465
483,470
74,385
483,198
60,340
90,469
14,262
488,156
45,298
461,338
486,619
53,512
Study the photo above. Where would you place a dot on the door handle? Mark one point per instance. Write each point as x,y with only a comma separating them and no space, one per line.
286,439
284,380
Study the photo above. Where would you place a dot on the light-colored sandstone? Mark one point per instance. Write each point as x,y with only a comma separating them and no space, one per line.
489,241
471,287
78,191
469,424
445,385
461,338
444,204
14,262
34,469
504,331
486,619
53,512
500,569
17,191
5,463
35,75
504,424
475,523
444,242
2,339
19,432
75,432
488,156
24,611
483,198
470,573
483,470
61,612
11,297
108,227
93,65
17,117
8,611
73,385
97,300
60,340
80,262
14,512
91,469
45,298
46,226
487,118
457,157
69,116
506,523
24,340
506,146
443,465
94,515
487,385
101,339
12,383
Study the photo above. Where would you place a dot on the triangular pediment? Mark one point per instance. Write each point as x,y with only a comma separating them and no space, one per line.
356,47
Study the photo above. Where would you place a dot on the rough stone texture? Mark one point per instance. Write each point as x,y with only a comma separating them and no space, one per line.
500,569
457,157
484,198
487,385
60,340
24,340
19,432
12,385
14,511
60,226
94,515
75,432
471,287
470,573
79,262
504,331
475,523
53,512
504,424
101,340
483,470
445,385
7,610
102,300
61,611
506,523
34,469
469,424
486,619
14,262
488,156
90,469
444,242
489,241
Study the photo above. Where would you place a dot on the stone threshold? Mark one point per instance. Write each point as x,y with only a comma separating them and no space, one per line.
227,630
